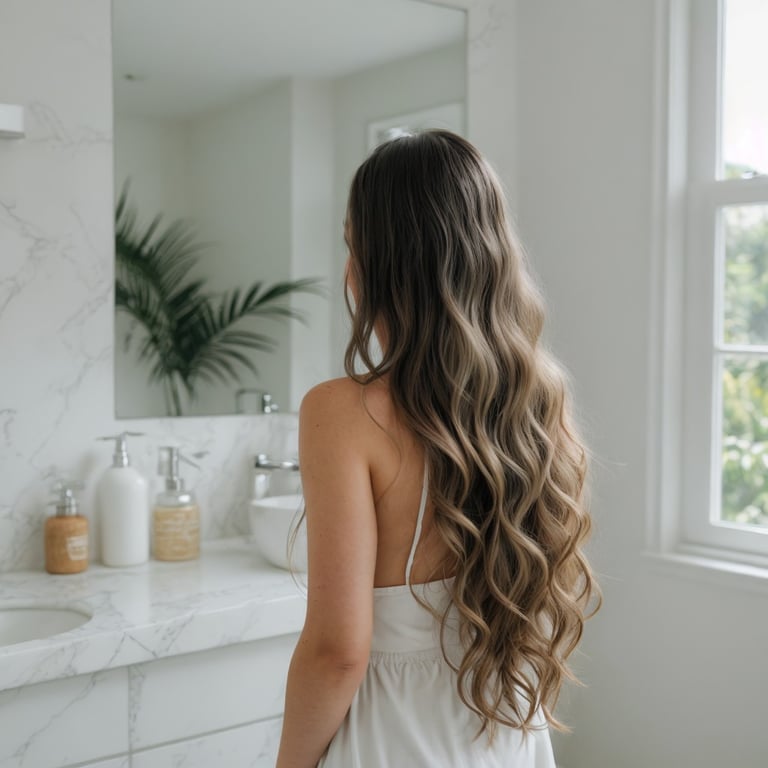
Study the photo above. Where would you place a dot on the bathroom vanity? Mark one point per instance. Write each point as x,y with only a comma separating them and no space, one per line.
179,662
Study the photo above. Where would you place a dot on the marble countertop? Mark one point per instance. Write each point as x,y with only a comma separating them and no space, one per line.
230,595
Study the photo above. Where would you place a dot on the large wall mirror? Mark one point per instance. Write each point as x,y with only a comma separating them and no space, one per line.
239,124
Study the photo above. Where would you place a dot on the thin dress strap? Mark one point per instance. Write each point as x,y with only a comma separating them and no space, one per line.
417,532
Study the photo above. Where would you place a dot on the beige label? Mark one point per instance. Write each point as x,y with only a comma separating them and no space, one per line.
177,533
77,547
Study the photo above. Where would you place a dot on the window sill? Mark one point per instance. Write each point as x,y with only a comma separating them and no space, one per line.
709,569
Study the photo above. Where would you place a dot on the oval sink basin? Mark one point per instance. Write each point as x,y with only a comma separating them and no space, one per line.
272,519
19,624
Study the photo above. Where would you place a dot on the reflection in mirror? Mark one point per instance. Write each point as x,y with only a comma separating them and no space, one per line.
246,121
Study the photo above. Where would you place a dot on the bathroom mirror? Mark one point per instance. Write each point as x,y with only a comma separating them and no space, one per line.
246,120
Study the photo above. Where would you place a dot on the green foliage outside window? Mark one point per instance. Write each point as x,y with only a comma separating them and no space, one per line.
745,377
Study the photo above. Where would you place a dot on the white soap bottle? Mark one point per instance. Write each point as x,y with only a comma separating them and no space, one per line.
123,506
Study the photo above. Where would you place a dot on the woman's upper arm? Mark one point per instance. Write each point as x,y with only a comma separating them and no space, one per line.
341,522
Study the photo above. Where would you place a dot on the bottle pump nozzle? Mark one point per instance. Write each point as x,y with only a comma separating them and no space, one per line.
168,466
66,503
120,457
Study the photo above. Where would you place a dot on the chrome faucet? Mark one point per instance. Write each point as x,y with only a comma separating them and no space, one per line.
264,466
267,406
265,402
264,462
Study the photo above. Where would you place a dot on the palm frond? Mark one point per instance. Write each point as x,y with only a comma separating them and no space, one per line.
261,301
188,334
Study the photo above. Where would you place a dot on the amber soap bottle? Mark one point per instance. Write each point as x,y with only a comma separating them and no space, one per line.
66,534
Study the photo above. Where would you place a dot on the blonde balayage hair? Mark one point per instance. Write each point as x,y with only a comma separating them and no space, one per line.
440,274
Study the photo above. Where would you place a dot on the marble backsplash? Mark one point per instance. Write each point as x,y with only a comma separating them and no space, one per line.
56,271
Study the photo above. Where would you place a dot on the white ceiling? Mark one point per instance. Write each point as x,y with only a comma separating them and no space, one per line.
192,55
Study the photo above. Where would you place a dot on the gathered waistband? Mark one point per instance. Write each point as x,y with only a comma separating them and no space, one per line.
404,657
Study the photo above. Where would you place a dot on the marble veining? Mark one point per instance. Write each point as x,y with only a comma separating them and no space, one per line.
151,611
64,722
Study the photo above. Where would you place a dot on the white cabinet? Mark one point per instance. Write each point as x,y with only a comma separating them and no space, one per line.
218,707
183,696
67,721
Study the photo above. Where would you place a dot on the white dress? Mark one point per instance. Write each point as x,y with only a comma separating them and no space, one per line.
407,712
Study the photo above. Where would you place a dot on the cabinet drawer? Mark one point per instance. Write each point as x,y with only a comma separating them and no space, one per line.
67,721
180,697
249,746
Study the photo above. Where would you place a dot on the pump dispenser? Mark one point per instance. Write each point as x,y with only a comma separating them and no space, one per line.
176,516
123,506
66,533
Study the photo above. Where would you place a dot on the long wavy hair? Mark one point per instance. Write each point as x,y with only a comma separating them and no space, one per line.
442,278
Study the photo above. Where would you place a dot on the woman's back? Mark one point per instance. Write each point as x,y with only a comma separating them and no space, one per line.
453,463
409,689
397,473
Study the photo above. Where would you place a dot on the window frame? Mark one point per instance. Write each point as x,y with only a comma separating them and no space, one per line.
684,467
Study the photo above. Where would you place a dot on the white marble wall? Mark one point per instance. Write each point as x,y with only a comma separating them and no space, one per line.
56,268
56,277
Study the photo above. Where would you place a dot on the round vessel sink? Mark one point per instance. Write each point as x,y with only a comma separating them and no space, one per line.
19,623
272,519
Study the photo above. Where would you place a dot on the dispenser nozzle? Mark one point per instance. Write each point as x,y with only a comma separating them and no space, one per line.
120,457
168,466
66,503
168,461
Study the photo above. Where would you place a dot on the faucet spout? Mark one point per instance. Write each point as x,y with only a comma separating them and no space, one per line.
264,466
264,462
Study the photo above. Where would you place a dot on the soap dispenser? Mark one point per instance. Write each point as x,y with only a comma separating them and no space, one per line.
123,505
66,533
176,516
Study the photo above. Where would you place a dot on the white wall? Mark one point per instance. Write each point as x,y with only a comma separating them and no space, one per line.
240,193
313,231
676,668
408,85
152,155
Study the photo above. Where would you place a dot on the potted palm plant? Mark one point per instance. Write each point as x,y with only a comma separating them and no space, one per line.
189,334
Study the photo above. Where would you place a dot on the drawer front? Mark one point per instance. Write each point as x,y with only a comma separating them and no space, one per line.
184,696
67,721
249,746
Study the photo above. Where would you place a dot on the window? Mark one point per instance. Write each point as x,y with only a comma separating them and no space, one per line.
724,425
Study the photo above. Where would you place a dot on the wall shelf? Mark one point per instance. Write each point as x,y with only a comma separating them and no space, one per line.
11,121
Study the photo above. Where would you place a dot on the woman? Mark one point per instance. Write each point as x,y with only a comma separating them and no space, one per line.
444,489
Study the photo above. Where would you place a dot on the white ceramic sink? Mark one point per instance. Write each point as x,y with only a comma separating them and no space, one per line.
272,519
21,623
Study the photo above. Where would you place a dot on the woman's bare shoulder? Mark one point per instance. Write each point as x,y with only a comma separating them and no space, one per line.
334,428
335,394
346,403
347,392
